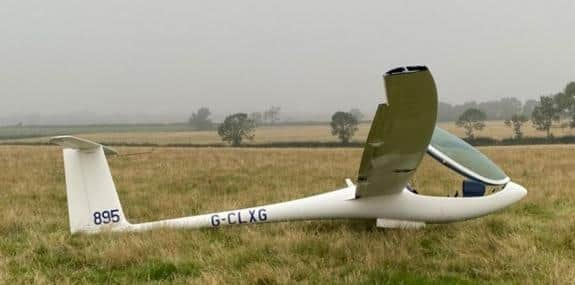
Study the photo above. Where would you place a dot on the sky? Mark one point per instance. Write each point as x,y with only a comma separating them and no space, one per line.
113,61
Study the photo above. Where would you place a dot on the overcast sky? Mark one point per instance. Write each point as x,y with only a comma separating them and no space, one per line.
167,58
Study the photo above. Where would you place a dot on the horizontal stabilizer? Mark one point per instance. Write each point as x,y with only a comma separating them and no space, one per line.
80,144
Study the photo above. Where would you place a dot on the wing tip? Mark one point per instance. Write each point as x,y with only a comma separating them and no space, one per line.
406,69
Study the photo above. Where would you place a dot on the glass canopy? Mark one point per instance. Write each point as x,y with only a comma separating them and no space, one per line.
465,159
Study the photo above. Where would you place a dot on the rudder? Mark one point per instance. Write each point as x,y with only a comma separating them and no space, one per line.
93,203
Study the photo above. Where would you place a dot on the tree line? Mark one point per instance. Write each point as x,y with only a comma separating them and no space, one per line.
493,110
200,120
553,109
236,127
241,126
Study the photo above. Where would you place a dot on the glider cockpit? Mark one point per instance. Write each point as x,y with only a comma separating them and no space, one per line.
461,157
466,160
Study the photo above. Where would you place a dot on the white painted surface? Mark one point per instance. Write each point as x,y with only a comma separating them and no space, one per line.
397,224
90,190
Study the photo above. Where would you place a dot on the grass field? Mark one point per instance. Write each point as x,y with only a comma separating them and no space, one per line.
179,134
530,243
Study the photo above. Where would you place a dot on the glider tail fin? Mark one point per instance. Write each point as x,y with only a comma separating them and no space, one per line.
93,203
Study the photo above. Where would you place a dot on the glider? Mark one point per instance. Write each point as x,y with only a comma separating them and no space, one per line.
403,131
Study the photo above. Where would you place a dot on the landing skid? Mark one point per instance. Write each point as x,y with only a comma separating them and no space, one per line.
398,224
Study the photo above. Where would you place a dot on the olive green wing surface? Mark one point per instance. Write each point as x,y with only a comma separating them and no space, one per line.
400,132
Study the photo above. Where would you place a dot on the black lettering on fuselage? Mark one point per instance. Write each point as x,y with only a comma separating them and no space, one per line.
240,218
234,218
230,221
262,215
252,216
215,219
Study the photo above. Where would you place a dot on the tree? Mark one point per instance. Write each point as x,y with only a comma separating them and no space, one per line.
500,109
516,122
272,115
529,106
494,110
357,114
570,91
237,127
508,106
200,119
544,114
343,125
257,117
564,104
471,119
445,112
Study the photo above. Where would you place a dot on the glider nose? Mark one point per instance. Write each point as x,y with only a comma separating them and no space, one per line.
518,191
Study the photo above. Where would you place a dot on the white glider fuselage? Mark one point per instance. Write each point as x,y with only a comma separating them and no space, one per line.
94,205
403,209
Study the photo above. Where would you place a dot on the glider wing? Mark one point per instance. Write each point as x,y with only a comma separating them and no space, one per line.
400,132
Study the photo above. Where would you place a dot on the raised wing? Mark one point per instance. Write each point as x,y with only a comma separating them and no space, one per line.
400,132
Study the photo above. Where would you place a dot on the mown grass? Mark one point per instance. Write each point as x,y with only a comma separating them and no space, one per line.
529,243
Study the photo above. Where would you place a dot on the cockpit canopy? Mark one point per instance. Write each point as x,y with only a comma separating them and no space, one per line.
458,155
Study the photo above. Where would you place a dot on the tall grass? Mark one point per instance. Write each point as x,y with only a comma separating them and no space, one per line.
529,243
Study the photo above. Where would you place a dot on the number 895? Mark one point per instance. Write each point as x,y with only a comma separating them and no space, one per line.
106,217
